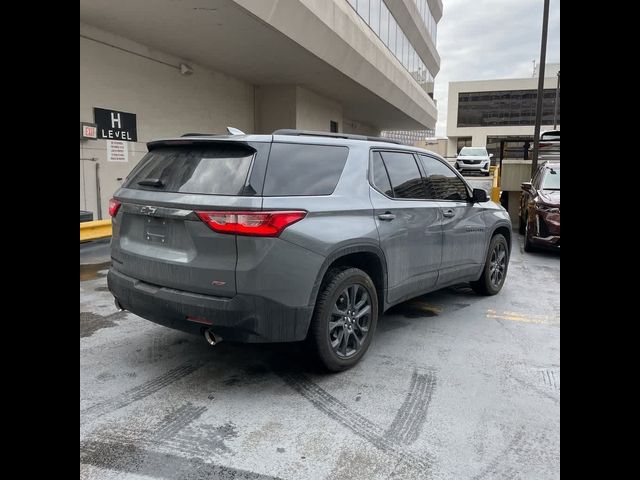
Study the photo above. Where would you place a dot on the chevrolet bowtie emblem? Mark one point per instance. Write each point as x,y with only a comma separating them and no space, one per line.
148,210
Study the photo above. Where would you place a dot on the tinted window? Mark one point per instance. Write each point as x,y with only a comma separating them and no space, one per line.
212,169
404,174
509,107
441,182
380,177
298,169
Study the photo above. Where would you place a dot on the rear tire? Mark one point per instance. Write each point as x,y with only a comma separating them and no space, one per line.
495,267
357,319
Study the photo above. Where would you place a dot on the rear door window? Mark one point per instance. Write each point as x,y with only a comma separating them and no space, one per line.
219,169
296,169
404,175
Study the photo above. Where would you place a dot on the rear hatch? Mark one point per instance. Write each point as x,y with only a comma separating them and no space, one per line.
158,236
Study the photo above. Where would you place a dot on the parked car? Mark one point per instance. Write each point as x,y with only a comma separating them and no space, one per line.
549,145
474,159
296,235
540,208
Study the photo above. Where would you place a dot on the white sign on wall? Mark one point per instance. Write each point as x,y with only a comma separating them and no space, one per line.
117,151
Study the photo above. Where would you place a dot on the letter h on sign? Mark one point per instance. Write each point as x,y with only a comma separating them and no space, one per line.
115,118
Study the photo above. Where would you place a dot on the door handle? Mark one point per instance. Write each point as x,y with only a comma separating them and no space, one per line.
448,213
387,216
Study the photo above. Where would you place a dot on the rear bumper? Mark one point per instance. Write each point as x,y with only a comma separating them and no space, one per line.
243,318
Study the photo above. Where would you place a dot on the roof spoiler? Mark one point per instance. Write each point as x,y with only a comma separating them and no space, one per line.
231,130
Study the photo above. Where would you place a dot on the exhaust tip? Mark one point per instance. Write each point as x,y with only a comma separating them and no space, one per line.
211,338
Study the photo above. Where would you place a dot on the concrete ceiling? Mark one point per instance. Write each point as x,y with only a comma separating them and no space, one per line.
225,37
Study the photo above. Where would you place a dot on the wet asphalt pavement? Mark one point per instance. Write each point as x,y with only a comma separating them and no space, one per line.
454,386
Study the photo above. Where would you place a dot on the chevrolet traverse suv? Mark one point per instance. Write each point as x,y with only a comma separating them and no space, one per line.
296,236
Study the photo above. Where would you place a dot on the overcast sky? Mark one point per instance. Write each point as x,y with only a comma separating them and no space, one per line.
486,39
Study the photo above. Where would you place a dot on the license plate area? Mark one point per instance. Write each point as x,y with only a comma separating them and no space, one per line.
155,230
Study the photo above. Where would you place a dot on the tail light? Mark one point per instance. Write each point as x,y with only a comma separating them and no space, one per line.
114,205
258,224
544,144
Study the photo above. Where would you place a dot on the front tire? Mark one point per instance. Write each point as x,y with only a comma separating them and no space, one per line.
344,320
495,267
528,245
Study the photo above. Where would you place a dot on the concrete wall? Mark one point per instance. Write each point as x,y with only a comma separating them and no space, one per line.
165,102
438,146
275,107
359,128
333,32
315,112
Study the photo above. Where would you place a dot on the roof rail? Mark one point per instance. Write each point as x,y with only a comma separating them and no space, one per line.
350,136
202,134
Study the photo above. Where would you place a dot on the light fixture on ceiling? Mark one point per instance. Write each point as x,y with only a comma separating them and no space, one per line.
185,69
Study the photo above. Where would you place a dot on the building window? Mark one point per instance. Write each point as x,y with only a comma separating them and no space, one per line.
333,126
408,137
427,18
376,14
503,108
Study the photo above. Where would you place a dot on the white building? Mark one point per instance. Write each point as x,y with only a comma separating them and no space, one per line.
160,68
499,114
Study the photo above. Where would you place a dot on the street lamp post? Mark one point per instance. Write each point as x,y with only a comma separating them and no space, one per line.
543,54
555,104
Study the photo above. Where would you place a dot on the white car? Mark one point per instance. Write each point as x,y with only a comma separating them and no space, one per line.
474,159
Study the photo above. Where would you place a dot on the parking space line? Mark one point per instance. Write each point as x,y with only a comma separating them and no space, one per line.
435,309
519,317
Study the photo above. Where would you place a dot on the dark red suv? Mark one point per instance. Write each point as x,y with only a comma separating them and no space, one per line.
540,208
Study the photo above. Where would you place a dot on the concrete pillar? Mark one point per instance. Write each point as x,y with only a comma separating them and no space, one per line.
514,208
452,147
479,140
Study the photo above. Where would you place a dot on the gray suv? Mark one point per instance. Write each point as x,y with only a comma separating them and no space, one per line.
296,236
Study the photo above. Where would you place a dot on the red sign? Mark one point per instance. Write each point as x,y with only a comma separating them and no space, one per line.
89,130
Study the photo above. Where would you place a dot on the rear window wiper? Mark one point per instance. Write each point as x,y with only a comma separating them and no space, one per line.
151,182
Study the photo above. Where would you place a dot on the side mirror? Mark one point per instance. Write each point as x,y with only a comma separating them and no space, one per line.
526,186
491,155
479,195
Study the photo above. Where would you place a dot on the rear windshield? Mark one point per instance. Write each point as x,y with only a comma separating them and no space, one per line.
209,169
298,169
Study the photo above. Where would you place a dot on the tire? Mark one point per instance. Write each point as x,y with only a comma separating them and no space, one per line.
486,284
528,246
330,349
